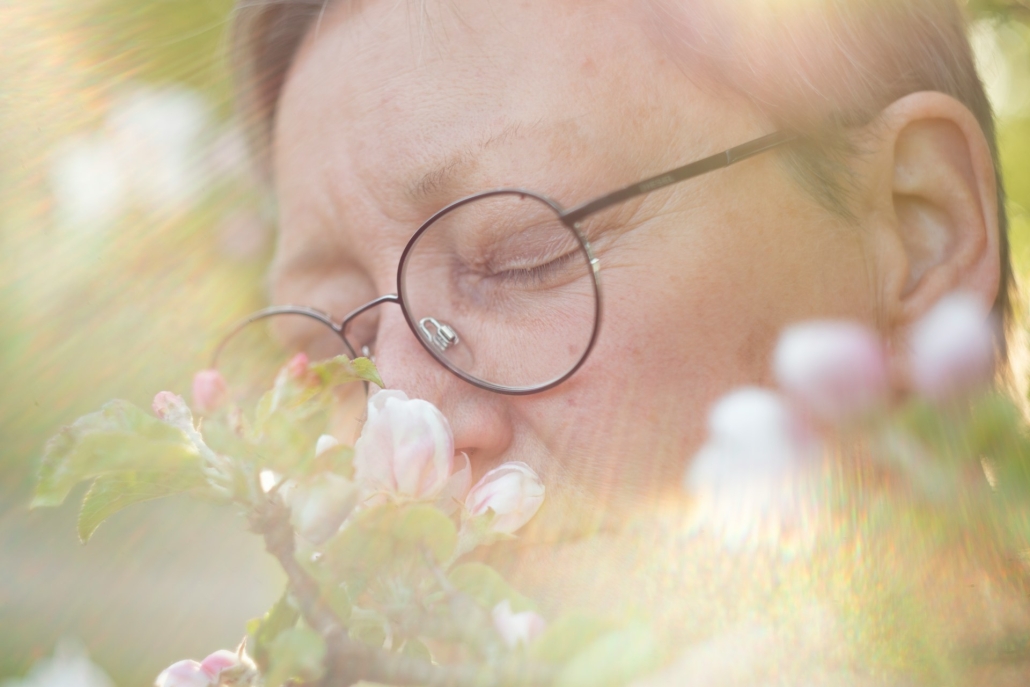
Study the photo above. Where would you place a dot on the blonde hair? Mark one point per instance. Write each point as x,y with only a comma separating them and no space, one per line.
816,67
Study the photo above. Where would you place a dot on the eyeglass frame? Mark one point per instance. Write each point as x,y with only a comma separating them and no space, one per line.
571,218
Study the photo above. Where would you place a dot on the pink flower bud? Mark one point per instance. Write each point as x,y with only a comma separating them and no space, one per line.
165,401
320,504
835,370
513,491
517,628
214,664
297,367
229,669
952,348
405,449
209,391
184,674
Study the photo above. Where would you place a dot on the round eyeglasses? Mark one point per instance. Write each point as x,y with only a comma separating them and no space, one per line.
502,288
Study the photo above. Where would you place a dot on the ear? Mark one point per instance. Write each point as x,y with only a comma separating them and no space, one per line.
933,191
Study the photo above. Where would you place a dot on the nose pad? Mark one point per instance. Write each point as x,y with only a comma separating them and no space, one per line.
442,336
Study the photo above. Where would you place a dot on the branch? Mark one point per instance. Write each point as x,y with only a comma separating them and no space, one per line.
349,661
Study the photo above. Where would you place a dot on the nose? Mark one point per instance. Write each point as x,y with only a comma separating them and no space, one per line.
480,420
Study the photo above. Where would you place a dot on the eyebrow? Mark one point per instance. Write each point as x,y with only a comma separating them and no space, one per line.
444,178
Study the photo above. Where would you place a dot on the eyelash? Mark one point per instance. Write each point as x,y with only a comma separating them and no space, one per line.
529,276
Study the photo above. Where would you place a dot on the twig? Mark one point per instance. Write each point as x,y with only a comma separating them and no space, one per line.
349,661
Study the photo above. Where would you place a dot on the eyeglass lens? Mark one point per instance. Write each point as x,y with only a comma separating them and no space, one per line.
501,292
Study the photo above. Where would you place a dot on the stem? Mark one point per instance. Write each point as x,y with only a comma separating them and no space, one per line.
349,661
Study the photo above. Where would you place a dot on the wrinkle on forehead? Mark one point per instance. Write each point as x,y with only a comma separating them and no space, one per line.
442,178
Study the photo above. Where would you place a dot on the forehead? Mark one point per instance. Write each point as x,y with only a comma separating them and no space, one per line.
424,101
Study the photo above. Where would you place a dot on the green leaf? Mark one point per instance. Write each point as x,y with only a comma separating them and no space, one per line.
567,636
995,426
387,537
423,527
118,438
486,586
341,370
615,659
263,631
338,459
332,591
416,649
367,626
112,493
363,548
297,653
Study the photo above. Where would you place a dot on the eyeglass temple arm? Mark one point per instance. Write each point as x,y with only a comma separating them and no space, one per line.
265,313
694,169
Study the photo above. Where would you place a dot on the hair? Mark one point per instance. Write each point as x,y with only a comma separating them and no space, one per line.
815,67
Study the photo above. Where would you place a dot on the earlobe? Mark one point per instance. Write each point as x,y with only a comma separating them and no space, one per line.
939,200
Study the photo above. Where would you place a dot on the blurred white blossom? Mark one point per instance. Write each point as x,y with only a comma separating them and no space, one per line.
517,628
836,371
68,667
87,182
157,150
750,477
952,348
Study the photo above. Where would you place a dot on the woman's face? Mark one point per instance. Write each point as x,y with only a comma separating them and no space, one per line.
395,109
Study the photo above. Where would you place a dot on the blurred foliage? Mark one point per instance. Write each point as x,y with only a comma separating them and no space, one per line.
90,314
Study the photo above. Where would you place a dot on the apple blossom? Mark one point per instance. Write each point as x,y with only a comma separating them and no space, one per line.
320,504
835,370
165,402
952,347
185,673
513,491
210,391
406,448
517,628
229,668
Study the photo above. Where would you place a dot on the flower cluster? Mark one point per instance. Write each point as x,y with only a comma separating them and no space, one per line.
403,463
221,669
764,446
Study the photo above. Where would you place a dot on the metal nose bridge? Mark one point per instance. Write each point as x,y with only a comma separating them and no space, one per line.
388,298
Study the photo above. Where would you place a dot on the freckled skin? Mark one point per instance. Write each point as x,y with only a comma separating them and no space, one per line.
576,100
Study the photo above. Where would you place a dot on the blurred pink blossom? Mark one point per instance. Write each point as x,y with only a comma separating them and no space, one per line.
230,669
297,367
952,348
185,673
166,403
517,628
210,391
223,668
837,371
513,491
405,449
